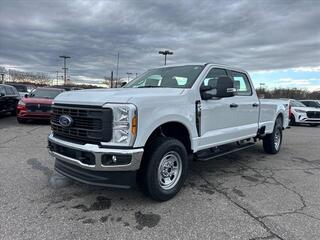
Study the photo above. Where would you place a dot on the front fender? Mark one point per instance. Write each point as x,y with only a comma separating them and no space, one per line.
147,123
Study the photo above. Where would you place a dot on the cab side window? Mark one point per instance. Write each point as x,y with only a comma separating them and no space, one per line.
212,77
241,84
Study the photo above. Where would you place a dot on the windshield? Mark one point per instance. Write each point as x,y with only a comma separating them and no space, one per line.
45,93
311,104
21,88
167,77
296,103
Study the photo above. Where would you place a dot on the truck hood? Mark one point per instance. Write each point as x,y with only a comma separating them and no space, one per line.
98,97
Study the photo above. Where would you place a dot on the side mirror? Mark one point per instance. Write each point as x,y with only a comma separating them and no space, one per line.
122,84
26,95
1,94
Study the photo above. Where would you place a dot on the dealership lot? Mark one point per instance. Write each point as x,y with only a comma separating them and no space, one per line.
247,195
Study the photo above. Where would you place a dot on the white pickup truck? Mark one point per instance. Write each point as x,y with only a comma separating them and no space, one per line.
150,129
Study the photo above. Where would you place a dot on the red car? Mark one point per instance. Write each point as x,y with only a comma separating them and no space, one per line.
37,105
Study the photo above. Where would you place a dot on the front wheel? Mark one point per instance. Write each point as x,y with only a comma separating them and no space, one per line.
272,142
166,168
314,125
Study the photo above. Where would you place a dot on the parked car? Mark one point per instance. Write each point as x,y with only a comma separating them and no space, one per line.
149,129
311,103
37,105
9,97
301,114
21,88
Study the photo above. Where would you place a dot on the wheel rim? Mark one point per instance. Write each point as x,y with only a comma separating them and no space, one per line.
169,171
277,139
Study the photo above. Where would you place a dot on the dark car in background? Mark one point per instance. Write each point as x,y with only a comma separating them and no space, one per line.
21,88
311,103
37,106
9,97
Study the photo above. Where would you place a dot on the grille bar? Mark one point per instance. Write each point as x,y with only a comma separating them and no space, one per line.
89,124
313,114
34,107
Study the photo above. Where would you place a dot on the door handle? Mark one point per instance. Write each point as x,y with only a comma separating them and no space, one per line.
255,105
233,105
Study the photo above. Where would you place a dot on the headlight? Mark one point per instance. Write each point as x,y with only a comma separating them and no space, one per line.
21,103
124,124
300,111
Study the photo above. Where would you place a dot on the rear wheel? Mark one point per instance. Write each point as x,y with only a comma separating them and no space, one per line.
272,142
165,168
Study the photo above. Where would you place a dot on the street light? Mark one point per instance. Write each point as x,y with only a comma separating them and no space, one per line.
129,73
165,53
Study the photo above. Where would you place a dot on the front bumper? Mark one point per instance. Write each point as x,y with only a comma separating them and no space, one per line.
34,115
71,162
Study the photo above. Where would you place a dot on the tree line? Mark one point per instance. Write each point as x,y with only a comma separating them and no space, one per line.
293,93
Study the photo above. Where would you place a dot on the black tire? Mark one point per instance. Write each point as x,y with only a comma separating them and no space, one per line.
21,120
13,113
292,120
314,125
271,142
155,155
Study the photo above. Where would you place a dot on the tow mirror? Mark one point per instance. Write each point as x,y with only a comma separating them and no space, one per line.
224,88
123,83
207,92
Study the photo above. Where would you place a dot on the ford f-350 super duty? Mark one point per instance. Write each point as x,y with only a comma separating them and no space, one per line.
149,130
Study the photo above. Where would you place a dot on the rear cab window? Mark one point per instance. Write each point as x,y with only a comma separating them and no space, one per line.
241,84
2,90
9,90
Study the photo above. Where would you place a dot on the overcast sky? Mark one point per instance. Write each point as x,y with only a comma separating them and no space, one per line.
262,36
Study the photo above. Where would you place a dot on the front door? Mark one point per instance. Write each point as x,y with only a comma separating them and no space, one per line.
218,120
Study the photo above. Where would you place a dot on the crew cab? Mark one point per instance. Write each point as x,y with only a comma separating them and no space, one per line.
37,105
150,129
301,114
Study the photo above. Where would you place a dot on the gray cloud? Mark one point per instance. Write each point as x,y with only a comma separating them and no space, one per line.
256,35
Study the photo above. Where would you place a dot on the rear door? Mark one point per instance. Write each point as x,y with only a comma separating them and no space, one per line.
246,111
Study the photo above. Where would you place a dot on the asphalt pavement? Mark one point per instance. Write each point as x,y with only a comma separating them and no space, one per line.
246,195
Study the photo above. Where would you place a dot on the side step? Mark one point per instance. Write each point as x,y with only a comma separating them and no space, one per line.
211,153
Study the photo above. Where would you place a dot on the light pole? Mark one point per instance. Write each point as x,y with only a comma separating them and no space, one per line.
65,67
165,53
129,73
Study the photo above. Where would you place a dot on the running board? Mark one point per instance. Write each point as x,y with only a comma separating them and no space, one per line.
205,156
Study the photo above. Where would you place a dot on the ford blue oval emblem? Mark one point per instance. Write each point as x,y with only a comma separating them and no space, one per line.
65,120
